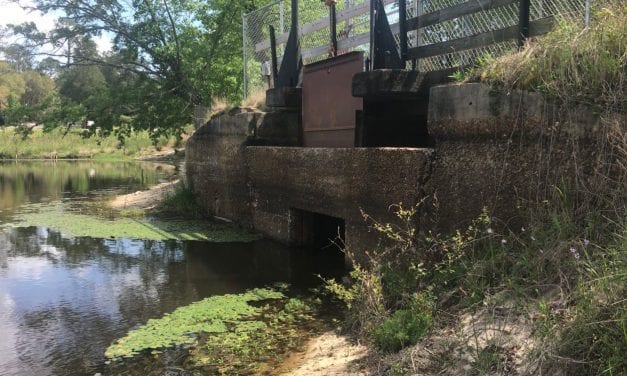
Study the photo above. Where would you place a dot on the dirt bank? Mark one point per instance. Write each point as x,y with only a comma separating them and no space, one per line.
326,354
144,200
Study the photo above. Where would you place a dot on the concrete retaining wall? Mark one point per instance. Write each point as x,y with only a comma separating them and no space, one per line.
503,151
510,151
216,168
336,182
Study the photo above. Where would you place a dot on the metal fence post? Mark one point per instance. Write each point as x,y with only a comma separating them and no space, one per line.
282,16
402,25
371,46
245,63
523,21
333,27
275,64
587,13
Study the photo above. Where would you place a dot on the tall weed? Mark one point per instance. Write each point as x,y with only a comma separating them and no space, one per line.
572,63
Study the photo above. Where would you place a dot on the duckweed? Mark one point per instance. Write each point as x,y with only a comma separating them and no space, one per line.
232,334
77,224
211,315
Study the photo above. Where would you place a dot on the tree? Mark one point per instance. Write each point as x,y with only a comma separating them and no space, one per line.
24,96
81,83
180,53
37,87
49,67
11,84
19,56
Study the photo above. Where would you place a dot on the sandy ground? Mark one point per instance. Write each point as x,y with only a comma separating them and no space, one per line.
145,200
326,354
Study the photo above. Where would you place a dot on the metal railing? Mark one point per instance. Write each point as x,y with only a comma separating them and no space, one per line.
441,43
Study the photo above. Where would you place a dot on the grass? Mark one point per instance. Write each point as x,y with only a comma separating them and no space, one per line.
256,99
561,291
59,144
180,203
572,63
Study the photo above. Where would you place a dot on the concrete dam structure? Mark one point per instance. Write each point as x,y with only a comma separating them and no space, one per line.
477,149
345,140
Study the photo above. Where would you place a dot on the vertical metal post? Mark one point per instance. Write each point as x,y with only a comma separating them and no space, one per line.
275,64
371,35
294,24
587,13
245,63
333,26
290,65
523,22
282,16
402,26
416,33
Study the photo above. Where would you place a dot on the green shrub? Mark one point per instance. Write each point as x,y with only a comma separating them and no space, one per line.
571,63
181,203
405,326
362,297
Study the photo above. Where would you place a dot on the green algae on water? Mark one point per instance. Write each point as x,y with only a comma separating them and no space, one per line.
76,224
234,333
209,315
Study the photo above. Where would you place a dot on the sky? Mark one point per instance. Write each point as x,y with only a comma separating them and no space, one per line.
11,13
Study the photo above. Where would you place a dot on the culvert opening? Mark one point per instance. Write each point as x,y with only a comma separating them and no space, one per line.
323,236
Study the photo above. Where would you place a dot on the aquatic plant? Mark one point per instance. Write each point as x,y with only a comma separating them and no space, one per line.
75,224
233,333
180,203
209,315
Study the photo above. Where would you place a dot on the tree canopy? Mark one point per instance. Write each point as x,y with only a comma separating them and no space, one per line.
167,57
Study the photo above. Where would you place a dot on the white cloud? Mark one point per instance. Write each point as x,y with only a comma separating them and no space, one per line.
12,13
104,43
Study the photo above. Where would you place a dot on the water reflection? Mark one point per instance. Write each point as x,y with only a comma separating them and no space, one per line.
63,300
24,182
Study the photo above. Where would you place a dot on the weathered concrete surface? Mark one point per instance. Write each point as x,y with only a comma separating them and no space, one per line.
395,104
399,83
216,169
506,152
338,182
285,97
509,152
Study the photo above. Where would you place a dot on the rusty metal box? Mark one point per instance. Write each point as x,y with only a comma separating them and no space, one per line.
328,104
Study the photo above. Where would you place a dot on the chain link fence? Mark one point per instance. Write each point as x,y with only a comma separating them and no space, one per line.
353,31
482,22
353,25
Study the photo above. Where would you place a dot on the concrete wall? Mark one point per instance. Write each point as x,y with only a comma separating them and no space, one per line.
216,169
265,187
504,151
509,152
336,182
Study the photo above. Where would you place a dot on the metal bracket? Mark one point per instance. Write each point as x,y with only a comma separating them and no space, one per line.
385,53
289,74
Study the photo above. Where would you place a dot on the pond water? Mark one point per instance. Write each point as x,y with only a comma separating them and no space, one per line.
64,299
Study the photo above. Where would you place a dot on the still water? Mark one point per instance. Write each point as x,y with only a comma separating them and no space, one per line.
63,299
